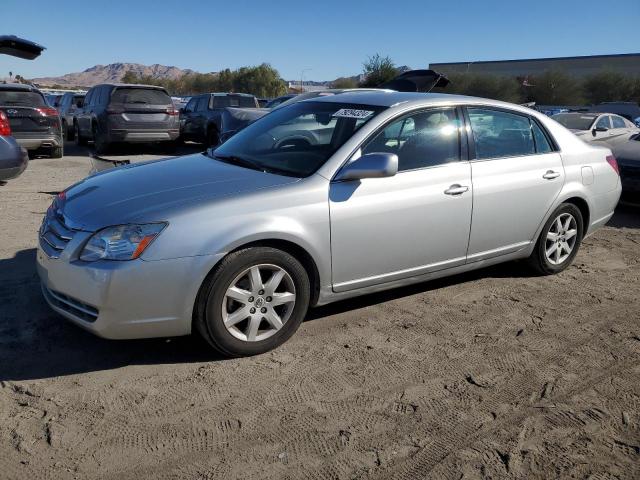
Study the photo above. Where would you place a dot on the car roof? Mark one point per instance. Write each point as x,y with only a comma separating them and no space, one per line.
18,86
389,98
128,85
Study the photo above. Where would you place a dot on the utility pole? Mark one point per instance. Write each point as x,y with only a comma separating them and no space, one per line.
301,77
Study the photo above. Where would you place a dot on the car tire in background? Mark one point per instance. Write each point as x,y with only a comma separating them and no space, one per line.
80,140
100,144
559,240
234,299
56,152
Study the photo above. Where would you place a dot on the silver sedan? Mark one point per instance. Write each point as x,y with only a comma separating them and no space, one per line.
319,201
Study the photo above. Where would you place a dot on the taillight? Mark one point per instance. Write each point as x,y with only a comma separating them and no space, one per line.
47,111
172,111
611,160
5,128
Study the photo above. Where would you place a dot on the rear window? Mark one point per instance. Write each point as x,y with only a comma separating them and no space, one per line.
21,98
142,96
234,101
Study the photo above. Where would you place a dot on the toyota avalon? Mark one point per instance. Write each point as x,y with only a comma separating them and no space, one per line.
322,200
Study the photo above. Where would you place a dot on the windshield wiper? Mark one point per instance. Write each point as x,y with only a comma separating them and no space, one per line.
244,162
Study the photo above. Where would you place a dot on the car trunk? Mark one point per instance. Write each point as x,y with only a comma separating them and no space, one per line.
134,108
28,112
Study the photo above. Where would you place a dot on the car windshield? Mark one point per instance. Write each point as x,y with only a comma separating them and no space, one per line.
298,139
21,98
575,121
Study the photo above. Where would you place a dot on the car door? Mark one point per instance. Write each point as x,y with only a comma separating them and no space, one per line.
517,174
200,117
601,130
620,131
186,117
413,223
82,115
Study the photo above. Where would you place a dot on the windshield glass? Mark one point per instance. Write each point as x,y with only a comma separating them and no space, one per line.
575,121
143,96
298,139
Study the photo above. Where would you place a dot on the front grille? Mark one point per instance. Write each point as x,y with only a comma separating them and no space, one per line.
54,234
71,305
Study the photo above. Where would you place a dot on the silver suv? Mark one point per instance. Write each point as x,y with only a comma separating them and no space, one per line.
124,113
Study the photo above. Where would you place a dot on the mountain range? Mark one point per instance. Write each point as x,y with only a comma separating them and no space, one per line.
111,73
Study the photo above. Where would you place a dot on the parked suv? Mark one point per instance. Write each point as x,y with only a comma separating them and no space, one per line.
34,124
70,104
203,119
126,113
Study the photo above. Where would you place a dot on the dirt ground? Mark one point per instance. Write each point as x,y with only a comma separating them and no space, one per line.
494,374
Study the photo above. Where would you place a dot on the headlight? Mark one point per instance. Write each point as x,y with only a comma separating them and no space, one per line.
122,242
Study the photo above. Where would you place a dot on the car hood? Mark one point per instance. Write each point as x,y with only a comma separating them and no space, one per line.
578,132
148,191
628,153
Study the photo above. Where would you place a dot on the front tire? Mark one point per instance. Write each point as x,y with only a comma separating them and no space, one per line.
559,240
100,144
253,302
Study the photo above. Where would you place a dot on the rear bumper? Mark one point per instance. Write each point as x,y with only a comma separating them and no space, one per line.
143,136
34,141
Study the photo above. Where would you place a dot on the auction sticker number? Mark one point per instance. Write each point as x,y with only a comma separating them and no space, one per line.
351,113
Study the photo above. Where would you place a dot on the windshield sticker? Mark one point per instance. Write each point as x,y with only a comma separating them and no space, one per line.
350,113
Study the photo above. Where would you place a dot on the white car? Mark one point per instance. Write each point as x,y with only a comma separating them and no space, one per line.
606,129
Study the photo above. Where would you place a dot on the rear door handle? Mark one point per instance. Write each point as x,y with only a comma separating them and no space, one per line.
550,175
456,189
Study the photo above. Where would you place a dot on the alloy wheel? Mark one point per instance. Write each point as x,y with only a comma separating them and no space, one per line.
258,302
561,238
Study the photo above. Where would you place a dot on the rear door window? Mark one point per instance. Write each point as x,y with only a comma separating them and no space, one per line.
618,122
140,96
542,142
21,98
499,134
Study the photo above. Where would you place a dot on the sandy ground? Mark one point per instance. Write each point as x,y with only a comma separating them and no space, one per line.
494,374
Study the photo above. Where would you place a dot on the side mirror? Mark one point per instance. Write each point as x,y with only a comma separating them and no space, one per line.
599,129
371,165
79,103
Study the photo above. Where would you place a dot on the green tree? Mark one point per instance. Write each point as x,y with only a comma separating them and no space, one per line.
377,70
555,88
487,86
344,82
610,86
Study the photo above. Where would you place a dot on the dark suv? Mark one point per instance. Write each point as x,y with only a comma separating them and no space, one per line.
69,105
207,118
124,113
34,124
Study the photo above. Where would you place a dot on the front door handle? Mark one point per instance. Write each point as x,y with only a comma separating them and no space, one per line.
550,175
456,189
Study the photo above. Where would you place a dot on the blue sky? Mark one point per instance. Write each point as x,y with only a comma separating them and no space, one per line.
328,38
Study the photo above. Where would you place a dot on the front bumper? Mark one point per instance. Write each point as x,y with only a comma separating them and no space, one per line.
123,300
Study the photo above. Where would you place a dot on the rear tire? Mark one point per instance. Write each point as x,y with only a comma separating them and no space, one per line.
100,145
80,140
234,274
559,241
57,152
